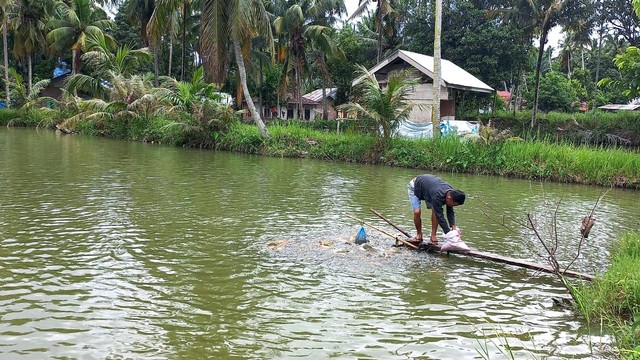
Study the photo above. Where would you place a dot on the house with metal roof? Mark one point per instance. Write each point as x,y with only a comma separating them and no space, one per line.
620,107
313,105
454,79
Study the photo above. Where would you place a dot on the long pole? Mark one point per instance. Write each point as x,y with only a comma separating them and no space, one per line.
390,223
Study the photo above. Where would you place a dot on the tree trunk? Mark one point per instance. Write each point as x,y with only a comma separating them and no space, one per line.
75,62
325,111
30,69
6,62
600,36
185,8
243,82
299,89
435,114
543,40
170,52
156,70
379,15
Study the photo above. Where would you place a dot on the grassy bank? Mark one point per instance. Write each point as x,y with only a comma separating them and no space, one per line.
589,128
613,299
530,160
534,159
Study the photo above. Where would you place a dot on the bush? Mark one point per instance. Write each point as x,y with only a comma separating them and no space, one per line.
590,128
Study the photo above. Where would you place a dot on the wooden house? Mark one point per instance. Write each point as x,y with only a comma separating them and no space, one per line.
453,78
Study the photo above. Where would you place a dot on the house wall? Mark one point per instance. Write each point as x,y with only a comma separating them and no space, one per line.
316,114
422,96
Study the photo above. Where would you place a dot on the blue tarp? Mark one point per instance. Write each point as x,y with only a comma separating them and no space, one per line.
424,130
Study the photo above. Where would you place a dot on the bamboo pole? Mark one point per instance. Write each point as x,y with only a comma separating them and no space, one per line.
499,258
390,223
383,231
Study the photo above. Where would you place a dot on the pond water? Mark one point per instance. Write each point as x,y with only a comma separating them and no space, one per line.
112,249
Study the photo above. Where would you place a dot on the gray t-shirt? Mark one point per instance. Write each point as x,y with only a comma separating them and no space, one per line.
433,190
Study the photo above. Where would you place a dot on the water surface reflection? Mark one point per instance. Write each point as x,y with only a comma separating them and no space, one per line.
121,250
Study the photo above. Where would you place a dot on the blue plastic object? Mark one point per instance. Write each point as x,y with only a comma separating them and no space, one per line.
361,236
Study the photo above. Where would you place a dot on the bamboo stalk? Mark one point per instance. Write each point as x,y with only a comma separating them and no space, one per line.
383,231
390,223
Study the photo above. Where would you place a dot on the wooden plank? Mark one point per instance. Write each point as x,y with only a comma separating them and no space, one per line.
495,257
524,264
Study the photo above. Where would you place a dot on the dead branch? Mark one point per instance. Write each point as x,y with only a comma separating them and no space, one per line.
591,219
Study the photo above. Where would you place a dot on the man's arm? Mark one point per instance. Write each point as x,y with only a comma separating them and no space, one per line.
451,217
437,210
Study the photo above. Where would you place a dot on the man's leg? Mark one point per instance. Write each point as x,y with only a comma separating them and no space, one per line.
434,227
417,220
415,206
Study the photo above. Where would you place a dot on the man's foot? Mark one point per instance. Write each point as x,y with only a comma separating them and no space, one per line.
414,240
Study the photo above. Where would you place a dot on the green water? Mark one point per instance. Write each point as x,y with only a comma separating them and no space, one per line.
111,250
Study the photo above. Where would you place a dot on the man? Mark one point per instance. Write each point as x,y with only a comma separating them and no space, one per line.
436,193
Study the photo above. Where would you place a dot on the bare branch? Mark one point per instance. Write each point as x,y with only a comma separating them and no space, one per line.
589,217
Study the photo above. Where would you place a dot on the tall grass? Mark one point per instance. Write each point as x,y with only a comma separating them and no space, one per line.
589,128
534,159
614,297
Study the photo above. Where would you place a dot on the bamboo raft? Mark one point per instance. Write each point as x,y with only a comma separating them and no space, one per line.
475,253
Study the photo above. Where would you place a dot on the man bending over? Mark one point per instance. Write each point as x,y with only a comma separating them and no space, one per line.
436,193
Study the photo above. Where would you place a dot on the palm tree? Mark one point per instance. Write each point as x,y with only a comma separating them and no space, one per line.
384,11
142,11
236,22
291,27
386,106
323,46
72,25
107,65
166,12
4,7
28,18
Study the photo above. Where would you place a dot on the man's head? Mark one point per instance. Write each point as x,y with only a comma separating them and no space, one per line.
454,198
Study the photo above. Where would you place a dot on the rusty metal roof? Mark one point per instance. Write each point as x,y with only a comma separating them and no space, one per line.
316,95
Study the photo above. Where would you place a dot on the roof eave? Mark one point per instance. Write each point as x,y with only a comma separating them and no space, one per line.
471,88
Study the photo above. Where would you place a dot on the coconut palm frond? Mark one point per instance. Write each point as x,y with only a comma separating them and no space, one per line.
84,83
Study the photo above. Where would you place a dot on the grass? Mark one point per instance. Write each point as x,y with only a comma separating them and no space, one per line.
614,297
502,156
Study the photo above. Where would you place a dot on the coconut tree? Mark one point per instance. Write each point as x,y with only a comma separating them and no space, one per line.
388,105
5,5
107,65
384,12
233,24
72,24
323,46
167,12
290,28
142,11
28,19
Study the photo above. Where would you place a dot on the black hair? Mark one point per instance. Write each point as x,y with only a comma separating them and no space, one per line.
458,196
